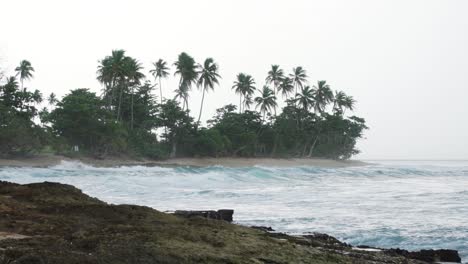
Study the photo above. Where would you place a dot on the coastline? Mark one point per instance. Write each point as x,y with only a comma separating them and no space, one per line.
47,160
38,218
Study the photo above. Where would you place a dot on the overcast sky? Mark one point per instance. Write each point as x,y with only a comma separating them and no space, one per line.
405,62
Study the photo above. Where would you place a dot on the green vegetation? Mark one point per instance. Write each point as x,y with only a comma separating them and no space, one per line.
128,118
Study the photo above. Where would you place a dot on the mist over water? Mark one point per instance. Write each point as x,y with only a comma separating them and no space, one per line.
406,204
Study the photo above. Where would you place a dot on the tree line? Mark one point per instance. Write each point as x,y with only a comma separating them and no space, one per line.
129,118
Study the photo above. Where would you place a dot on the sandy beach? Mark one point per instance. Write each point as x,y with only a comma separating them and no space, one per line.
51,160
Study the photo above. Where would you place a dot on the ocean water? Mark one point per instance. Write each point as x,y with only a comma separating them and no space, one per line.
405,204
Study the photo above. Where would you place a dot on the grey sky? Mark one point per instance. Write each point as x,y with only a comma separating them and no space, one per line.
406,62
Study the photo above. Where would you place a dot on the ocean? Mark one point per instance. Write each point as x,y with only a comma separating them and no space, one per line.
406,204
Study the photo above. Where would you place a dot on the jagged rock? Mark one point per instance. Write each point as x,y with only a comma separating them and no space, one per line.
222,214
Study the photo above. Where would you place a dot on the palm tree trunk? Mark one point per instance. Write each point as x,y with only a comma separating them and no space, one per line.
120,102
201,106
112,92
160,91
312,147
161,100
240,103
131,123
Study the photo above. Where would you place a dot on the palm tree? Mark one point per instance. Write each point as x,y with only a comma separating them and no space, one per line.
208,78
24,70
179,95
161,70
37,96
299,77
275,76
338,101
105,76
305,98
286,86
349,104
323,95
134,76
341,102
187,69
248,88
244,86
248,102
52,99
266,101
238,84
111,73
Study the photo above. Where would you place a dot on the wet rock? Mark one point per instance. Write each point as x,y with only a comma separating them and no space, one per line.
439,255
222,214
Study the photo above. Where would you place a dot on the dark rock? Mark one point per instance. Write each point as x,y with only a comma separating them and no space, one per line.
439,255
226,214
326,240
222,214
263,228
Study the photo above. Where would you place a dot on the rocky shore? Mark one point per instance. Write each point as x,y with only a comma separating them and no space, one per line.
56,223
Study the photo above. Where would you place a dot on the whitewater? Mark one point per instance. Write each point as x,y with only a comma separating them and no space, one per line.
406,204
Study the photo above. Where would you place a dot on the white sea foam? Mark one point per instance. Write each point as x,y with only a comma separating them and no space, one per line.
404,204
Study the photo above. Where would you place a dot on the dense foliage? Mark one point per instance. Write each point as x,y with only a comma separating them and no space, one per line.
128,118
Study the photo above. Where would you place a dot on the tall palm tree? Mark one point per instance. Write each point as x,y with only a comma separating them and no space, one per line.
161,70
323,95
266,101
134,76
237,86
299,77
105,76
52,99
208,78
244,86
24,70
275,76
286,86
111,73
305,98
248,88
186,68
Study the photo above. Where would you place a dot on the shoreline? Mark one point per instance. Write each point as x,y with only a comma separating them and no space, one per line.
231,162
38,218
